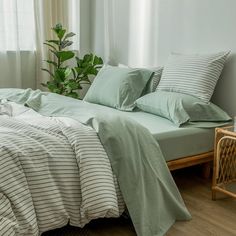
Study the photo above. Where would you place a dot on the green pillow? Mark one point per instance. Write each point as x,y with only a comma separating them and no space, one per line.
181,108
152,83
118,87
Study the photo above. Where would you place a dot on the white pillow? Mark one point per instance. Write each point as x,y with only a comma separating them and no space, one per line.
152,85
195,74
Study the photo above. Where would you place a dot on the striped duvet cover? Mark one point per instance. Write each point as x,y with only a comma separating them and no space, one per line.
53,171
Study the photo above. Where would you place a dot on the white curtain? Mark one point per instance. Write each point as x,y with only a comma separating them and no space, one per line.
17,44
131,32
24,26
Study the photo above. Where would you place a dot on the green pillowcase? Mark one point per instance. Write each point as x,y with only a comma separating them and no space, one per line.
118,87
152,83
181,108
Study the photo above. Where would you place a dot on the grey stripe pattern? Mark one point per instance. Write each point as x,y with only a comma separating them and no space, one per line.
195,75
52,174
156,77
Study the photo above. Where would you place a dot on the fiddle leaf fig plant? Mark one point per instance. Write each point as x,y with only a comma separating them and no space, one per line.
65,79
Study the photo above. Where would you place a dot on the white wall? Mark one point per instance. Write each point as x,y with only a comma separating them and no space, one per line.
186,26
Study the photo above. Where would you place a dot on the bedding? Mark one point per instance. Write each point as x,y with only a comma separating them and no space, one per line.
69,142
118,87
50,174
175,142
154,81
181,108
193,74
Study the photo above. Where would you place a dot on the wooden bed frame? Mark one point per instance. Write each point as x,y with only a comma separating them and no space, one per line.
204,158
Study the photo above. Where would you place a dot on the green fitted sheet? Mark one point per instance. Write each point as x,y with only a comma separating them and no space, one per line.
175,142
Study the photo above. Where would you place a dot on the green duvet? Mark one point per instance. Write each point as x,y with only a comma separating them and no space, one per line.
151,196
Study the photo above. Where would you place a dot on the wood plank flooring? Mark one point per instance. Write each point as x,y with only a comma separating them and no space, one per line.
210,218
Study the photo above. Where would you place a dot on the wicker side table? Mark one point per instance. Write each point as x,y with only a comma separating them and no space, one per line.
224,170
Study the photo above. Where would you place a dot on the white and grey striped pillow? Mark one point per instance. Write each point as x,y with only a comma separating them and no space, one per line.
156,77
195,74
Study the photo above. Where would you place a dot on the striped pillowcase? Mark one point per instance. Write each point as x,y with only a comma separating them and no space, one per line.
195,74
156,77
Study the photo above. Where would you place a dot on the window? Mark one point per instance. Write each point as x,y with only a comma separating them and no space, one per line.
17,25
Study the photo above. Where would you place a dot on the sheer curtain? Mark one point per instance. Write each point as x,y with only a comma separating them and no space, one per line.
131,32
17,43
24,26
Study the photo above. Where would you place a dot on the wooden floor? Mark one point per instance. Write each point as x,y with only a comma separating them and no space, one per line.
210,218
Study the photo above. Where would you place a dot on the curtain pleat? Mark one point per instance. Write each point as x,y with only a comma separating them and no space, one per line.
130,32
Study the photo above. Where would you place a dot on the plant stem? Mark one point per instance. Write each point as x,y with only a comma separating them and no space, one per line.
59,59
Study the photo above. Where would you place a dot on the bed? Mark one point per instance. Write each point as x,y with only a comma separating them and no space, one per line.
60,138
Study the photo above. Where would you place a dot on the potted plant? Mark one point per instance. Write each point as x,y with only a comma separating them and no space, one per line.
65,79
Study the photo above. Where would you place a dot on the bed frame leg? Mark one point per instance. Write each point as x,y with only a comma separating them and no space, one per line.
206,170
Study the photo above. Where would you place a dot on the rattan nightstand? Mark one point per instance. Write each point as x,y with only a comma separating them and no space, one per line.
224,170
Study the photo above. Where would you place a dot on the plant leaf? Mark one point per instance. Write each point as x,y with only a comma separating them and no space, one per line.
84,64
54,52
59,75
91,70
79,70
88,57
97,60
56,90
50,46
73,95
49,72
72,84
57,42
84,78
51,62
85,82
98,67
66,43
44,85
69,35
74,72
67,72
79,61
61,33
57,28
65,55
53,86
